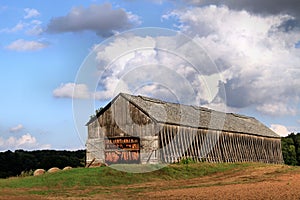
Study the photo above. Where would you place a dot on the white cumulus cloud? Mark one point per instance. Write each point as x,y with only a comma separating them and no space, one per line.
26,45
26,142
280,130
17,128
30,13
18,27
255,55
168,67
34,27
72,90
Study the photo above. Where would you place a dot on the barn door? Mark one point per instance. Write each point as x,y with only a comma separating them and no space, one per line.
120,150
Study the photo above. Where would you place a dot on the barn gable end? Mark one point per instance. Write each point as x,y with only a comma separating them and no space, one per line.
121,119
137,129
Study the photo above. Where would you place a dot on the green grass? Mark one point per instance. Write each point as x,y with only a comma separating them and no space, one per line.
64,183
107,176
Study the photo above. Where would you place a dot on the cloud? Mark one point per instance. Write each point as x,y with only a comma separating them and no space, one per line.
271,7
72,90
18,27
34,27
30,13
27,142
101,19
276,109
25,45
280,130
17,128
255,56
139,63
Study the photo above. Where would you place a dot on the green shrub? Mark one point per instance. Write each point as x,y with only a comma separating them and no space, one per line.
187,160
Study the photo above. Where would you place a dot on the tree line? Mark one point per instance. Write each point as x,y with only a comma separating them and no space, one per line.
291,149
14,163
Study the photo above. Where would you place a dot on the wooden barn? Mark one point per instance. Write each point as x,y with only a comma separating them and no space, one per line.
138,129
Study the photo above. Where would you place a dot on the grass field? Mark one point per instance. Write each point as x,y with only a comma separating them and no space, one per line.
107,182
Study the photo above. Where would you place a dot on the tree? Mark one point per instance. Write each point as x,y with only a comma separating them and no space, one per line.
14,163
289,151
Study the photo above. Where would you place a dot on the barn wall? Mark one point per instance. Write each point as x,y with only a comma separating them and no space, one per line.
95,145
121,119
215,146
169,143
124,119
150,150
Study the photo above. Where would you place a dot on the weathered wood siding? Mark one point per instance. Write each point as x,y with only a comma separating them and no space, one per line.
95,144
120,119
177,143
123,118
170,143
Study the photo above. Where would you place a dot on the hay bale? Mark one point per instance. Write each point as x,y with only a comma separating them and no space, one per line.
53,170
67,168
38,172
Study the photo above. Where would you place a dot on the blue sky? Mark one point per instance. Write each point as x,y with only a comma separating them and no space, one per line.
43,46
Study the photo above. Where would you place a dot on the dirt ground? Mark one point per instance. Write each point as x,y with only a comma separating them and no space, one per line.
264,183
274,182
285,187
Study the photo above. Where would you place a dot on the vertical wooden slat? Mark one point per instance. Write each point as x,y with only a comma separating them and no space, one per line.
201,143
247,148
191,137
188,140
212,146
224,152
197,146
217,146
232,151
255,149
168,144
176,143
243,149
184,143
180,153
226,141
171,134
234,145
165,144
207,143
251,149
238,148
261,150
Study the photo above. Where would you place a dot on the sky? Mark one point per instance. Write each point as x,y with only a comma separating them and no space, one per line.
234,56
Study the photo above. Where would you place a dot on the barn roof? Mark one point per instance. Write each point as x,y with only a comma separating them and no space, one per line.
197,117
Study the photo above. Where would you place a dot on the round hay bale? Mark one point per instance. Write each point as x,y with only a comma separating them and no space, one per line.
38,172
53,170
67,168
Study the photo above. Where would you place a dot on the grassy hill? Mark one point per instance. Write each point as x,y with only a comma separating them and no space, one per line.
88,182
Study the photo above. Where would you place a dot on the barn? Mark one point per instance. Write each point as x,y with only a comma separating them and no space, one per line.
139,129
